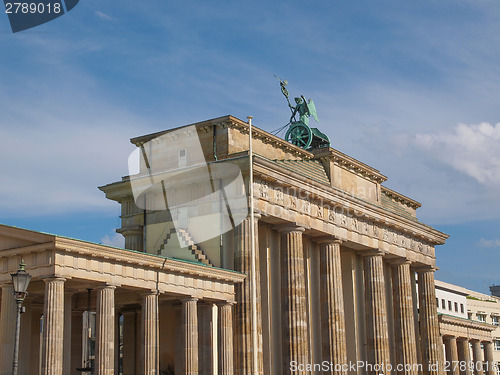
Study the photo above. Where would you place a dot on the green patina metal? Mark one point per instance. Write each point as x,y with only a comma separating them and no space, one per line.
299,133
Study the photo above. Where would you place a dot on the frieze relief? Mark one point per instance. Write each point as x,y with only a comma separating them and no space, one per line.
278,195
336,215
320,211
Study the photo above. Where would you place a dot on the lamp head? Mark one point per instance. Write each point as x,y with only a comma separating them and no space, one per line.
20,279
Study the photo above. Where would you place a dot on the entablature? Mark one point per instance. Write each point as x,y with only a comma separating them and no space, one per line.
327,209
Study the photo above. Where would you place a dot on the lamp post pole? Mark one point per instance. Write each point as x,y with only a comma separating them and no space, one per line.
15,361
20,279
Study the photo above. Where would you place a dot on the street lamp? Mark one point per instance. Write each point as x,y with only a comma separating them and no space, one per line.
20,279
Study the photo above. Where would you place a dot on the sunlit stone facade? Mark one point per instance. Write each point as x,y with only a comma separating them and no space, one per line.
338,256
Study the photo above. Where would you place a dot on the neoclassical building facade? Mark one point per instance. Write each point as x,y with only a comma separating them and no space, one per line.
337,254
343,273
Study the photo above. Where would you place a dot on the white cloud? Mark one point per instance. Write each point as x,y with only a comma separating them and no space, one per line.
115,240
489,243
470,149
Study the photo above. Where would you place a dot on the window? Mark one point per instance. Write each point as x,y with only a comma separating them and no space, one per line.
481,318
437,302
456,306
462,308
449,305
496,343
182,159
443,304
495,320
469,315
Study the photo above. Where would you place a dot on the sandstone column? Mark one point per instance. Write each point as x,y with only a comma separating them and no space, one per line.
53,327
243,308
67,333
8,312
150,347
432,350
190,332
332,305
134,237
464,355
404,322
478,357
377,330
105,331
489,357
451,349
293,298
226,352
129,341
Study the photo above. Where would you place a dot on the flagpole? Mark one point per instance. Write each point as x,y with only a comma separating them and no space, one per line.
253,279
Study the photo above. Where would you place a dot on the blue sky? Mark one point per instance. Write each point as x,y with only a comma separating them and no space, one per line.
408,87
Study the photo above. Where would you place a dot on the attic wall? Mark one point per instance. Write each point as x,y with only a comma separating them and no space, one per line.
353,184
238,142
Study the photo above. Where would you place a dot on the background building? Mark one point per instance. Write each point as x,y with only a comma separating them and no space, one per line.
469,324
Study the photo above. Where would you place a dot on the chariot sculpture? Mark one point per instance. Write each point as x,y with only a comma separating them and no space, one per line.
299,133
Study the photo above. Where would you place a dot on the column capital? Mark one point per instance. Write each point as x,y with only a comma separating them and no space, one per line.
53,278
150,292
289,227
136,229
328,240
422,268
372,253
225,303
257,214
399,261
106,286
189,299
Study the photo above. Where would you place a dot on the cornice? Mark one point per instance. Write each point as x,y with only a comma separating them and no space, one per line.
145,259
401,198
269,138
349,163
97,251
465,322
235,123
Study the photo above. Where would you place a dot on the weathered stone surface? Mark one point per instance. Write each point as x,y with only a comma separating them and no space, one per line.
226,351
332,306
190,338
451,351
150,333
430,338
377,330
404,322
105,331
295,346
243,308
53,327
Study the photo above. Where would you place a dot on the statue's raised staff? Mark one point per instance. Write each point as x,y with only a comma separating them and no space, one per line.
299,133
